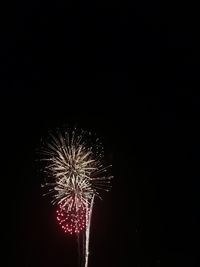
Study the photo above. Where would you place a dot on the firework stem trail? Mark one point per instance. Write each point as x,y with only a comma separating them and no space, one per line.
87,232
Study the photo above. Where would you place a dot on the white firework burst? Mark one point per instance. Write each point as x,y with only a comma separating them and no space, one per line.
75,169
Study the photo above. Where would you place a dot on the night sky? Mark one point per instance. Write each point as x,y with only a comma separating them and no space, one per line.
126,73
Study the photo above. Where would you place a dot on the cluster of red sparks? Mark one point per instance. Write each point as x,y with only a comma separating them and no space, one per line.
72,221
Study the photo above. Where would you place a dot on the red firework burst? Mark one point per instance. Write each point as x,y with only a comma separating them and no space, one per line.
72,221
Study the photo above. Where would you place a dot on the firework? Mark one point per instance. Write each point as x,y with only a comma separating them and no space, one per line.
75,176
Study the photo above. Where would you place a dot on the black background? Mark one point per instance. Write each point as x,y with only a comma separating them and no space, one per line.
127,73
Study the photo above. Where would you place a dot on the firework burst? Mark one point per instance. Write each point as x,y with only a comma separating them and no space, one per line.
75,175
